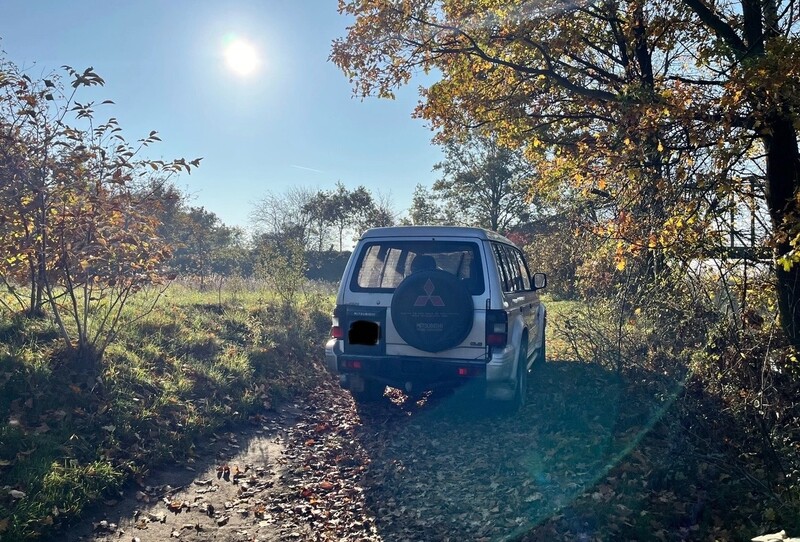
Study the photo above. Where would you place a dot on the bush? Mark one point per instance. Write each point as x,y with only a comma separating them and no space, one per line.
282,265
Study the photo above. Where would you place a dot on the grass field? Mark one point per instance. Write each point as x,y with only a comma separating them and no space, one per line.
199,361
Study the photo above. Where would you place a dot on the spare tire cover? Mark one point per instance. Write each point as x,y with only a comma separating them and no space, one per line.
432,310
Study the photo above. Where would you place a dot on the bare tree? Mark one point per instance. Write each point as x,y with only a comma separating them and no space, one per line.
284,215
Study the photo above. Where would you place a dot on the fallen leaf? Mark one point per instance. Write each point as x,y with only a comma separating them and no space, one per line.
17,494
260,511
175,506
156,518
3,525
326,485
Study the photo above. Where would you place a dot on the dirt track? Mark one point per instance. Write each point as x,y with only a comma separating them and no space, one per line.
438,469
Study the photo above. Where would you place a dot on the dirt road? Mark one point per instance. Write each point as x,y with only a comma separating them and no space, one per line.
442,468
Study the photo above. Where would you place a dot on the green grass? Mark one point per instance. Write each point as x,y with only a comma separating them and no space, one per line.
69,437
557,314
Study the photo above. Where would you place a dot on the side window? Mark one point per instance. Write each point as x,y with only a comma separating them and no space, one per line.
516,277
508,269
502,267
523,269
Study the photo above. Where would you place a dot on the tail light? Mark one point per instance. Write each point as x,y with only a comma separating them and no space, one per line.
353,364
496,328
336,329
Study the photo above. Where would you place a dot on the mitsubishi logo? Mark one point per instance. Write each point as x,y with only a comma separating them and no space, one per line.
423,300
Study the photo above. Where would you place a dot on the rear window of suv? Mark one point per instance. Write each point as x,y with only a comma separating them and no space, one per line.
383,265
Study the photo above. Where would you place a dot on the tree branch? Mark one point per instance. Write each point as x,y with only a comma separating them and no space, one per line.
722,29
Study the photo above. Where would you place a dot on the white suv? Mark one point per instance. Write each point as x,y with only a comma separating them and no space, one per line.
421,307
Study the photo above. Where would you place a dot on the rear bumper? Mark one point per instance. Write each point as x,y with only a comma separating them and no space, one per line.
409,373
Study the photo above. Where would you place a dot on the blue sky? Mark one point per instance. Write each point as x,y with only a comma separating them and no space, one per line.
292,122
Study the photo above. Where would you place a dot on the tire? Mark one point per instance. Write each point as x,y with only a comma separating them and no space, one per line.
521,388
432,310
373,391
541,355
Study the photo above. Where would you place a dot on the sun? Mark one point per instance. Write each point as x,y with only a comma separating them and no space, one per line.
241,57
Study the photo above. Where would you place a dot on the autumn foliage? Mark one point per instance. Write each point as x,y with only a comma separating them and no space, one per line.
661,116
662,142
79,234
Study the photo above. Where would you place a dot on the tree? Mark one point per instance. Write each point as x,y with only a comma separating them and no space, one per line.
343,208
285,215
382,214
425,209
202,245
80,230
282,264
318,217
485,182
317,210
350,208
664,108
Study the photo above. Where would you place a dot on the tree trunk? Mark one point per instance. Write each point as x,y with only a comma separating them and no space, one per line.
783,180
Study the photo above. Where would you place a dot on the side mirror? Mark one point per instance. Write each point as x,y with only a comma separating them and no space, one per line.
539,281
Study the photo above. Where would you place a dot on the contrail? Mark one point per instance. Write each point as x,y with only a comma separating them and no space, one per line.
307,168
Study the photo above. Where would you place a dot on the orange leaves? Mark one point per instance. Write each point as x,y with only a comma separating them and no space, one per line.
322,427
74,206
177,506
619,257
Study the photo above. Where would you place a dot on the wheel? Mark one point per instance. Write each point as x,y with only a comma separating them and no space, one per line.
373,391
521,387
541,355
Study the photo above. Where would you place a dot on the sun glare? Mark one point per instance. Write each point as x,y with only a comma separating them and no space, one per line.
241,57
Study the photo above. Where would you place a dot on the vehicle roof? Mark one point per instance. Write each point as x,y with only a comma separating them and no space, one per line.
434,231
